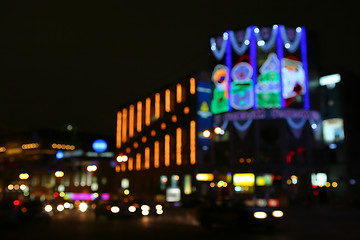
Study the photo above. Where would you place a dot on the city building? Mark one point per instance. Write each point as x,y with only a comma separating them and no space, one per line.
45,164
255,127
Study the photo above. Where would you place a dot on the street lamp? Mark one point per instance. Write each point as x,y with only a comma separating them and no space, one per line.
91,168
24,176
59,174
121,158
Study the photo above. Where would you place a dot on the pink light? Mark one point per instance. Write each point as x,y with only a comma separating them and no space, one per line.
105,196
80,196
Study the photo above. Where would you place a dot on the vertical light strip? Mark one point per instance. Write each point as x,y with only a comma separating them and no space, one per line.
192,142
192,85
280,56
147,158
167,100
131,121
156,154
123,167
157,105
124,125
118,130
167,150
130,163
303,49
178,93
139,116
138,161
228,63
147,111
178,146
253,61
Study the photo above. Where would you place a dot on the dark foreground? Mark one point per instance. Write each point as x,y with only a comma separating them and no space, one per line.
304,223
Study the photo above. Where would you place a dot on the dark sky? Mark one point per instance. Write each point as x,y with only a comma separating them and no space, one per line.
74,62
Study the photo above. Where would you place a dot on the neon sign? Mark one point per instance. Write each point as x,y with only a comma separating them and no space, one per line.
264,68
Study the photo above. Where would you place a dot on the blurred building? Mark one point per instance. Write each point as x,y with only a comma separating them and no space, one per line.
261,124
42,164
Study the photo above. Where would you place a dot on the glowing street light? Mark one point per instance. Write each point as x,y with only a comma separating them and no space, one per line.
121,158
24,176
206,133
91,168
59,174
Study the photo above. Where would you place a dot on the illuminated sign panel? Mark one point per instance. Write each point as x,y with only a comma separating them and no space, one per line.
260,68
244,179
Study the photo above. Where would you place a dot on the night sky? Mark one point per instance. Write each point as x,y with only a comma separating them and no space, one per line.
75,62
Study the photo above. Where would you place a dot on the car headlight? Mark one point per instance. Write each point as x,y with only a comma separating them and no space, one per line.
260,215
83,207
48,208
60,207
115,209
132,209
277,213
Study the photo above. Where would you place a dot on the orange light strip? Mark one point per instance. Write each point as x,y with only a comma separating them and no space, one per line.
192,86
156,154
167,150
138,161
157,105
131,121
123,167
147,158
130,163
167,100
178,93
118,130
139,116
192,142
147,111
124,125
178,146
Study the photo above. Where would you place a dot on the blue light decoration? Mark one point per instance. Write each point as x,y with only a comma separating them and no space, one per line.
99,145
59,154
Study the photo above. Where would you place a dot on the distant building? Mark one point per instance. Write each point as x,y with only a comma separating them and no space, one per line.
54,162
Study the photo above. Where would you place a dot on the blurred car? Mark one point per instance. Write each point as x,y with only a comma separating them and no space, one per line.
33,210
148,207
9,212
231,213
114,209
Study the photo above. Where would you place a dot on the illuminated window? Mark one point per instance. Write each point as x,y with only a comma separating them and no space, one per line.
192,86
157,105
192,142
187,184
178,93
156,154
147,111
186,110
135,145
131,121
117,168
139,116
124,127
123,167
163,126
144,139
118,130
174,118
167,150
128,150
178,146
147,158
167,100
138,161
153,133
130,163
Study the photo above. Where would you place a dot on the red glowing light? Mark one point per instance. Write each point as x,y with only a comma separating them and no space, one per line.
17,203
55,194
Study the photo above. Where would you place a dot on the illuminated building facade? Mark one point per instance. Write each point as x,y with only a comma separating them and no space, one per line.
248,128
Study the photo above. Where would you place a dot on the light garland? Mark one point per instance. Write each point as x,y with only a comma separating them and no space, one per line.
241,48
242,127
291,46
219,53
266,46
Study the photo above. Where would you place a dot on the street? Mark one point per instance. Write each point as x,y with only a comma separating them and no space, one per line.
304,223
